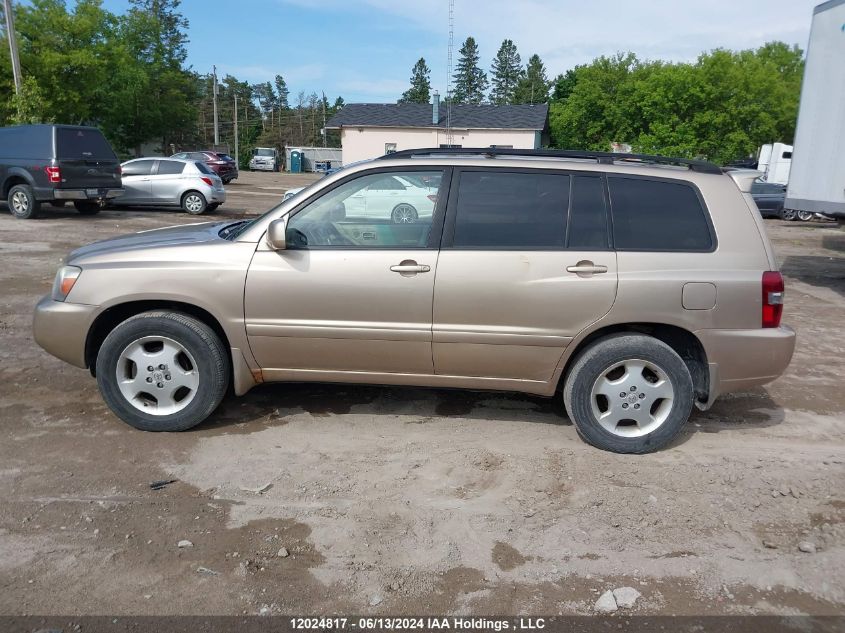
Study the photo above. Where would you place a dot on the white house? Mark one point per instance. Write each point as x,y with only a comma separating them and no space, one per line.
368,130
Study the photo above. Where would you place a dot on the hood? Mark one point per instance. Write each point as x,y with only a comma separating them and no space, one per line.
155,238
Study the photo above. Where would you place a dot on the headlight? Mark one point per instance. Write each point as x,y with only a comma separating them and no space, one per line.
65,279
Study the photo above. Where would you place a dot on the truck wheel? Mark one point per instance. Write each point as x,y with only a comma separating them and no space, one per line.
194,203
86,207
629,393
162,371
790,215
22,202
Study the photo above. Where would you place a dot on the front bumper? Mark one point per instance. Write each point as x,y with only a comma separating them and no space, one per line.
61,328
741,359
86,194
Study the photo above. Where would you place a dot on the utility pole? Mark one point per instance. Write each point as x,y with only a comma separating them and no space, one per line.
214,96
237,162
13,44
324,119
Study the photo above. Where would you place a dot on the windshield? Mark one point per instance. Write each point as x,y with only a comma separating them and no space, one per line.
264,152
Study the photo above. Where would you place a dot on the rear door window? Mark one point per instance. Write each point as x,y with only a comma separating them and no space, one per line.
82,144
138,168
658,215
170,167
511,210
588,214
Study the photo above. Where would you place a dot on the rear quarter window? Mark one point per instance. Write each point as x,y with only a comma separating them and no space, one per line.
658,215
203,168
82,144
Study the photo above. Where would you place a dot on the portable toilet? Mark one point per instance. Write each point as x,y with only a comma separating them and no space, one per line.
295,161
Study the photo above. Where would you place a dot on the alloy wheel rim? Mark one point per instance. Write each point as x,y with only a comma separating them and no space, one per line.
193,203
403,214
632,398
157,375
20,202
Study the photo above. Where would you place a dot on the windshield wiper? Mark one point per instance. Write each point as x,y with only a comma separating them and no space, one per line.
231,231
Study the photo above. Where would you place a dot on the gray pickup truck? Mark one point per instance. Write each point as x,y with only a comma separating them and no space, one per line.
56,164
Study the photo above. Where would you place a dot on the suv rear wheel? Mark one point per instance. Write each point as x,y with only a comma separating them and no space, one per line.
629,393
22,202
162,371
86,207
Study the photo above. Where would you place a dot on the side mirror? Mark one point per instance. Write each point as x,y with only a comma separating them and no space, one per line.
276,238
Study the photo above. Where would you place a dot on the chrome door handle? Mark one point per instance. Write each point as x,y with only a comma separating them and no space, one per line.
586,268
410,267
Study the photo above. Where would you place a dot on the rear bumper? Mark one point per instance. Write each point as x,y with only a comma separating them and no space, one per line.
82,194
62,328
741,359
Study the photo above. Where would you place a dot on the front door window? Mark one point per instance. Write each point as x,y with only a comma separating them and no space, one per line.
384,210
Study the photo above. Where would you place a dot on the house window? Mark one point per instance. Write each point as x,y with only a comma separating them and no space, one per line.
389,148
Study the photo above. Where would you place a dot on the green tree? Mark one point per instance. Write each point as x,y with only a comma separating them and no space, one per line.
420,90
533,85
470,81
29,104
505,73
564,84
282,92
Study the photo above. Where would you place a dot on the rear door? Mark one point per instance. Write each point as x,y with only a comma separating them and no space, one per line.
86,159
166,182
136,181
525,265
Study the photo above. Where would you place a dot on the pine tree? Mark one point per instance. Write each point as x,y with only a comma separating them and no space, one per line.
533,86
470,80
420,89
282,93
507,68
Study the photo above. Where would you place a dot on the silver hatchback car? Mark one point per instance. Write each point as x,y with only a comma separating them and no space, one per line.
174,182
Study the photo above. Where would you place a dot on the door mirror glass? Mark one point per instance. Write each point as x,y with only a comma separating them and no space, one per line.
276,234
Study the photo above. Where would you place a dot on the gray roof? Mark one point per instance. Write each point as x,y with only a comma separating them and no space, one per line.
485,116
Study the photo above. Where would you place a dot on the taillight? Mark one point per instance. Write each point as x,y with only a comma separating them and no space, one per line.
217,162
54,174
207,180
432,197
772,298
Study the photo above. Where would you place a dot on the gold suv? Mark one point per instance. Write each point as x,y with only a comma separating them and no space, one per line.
635,286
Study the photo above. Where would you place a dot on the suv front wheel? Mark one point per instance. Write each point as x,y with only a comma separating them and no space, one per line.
629,393
162,371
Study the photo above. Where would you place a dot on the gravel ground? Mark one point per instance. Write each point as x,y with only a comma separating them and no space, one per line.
326,498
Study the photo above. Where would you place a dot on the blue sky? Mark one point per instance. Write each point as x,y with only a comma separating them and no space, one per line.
363,50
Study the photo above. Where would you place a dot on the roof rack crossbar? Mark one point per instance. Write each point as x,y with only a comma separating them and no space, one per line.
603,158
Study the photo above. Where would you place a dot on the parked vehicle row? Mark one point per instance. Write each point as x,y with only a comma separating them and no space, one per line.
631,288
186,183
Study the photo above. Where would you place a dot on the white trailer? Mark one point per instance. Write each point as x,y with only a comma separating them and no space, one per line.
817,178
775,160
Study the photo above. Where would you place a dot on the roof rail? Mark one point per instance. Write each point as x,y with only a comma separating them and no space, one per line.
604,158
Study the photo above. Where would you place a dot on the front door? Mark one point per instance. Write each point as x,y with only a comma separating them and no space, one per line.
525,266
351,293
136,182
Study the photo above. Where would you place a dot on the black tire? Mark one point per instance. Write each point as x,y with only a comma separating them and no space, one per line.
22,202
596,360
211,208
806,216
404,213
226,182
86,207
200,341
790,215
194,208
